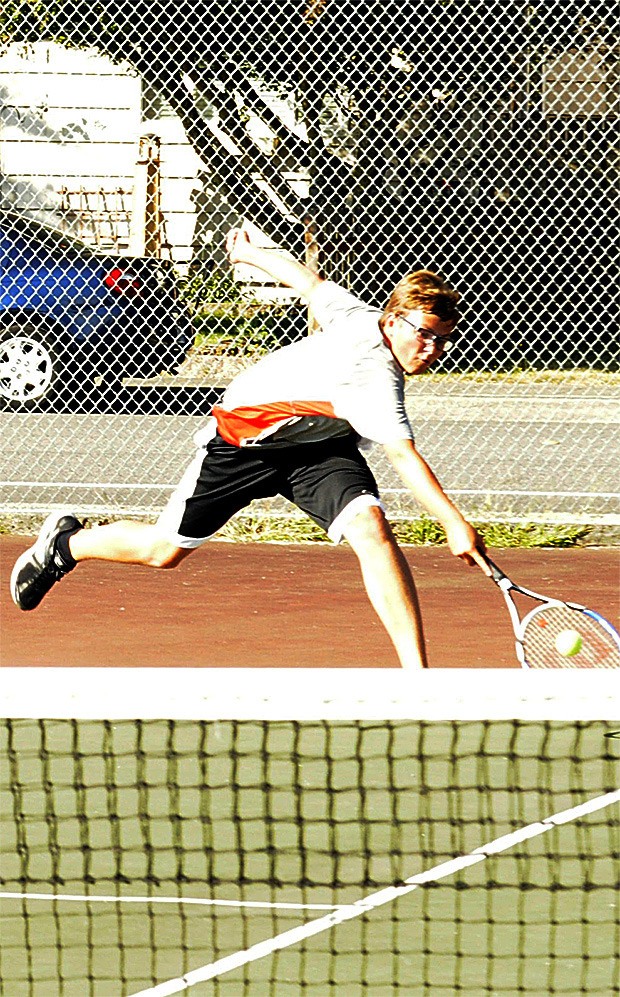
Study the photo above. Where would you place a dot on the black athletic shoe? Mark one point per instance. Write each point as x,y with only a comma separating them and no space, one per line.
41,566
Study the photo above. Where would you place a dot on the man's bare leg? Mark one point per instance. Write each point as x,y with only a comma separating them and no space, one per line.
126,542
389,584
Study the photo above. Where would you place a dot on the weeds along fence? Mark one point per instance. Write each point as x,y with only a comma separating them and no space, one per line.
476,139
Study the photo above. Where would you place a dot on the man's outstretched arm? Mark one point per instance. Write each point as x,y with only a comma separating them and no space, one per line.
283,269
464,541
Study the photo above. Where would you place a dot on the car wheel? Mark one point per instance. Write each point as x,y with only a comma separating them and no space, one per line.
30,366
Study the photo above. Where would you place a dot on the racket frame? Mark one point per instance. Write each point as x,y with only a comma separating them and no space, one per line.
519,624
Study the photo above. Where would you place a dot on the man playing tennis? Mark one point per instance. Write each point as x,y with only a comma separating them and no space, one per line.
290,425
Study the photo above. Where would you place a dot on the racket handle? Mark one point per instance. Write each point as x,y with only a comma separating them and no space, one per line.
496,573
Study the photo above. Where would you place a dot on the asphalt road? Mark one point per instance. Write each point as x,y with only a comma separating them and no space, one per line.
529,453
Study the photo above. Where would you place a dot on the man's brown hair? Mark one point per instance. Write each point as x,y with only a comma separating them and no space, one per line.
425,291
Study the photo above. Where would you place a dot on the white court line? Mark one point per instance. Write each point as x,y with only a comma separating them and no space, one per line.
374,900
473,491
199,901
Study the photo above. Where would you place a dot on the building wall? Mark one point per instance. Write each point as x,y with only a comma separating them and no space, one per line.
70,128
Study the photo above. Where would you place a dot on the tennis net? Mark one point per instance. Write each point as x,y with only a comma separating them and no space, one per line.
285,833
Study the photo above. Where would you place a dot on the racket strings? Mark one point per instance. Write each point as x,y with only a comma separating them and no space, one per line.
541,628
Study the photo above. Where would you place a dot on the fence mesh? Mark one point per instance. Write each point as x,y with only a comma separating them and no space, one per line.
475,139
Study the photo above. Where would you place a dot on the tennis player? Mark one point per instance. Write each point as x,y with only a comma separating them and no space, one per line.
293,425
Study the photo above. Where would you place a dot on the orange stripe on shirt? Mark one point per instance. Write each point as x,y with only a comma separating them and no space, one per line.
248,422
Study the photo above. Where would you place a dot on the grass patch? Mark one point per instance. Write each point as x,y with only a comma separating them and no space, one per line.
422,532
272,529
426,532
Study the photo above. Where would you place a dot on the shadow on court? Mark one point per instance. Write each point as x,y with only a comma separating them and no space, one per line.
271,605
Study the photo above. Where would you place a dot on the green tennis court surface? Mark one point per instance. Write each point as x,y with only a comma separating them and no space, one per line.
317,814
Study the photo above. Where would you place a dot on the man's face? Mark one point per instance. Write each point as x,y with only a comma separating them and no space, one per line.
411,338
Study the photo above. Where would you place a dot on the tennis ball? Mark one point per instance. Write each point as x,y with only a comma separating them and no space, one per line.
568,643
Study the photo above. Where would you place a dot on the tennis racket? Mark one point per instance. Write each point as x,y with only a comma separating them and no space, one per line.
537,631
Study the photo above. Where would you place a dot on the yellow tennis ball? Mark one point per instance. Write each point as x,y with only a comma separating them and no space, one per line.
568,643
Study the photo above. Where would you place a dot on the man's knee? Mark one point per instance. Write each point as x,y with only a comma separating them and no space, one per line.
368,528
164,554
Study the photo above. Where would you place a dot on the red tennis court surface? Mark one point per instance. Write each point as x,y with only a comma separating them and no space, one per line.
270,605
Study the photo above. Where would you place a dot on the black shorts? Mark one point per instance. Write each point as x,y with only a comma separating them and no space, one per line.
322,479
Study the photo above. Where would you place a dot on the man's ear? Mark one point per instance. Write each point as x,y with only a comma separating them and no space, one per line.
389,321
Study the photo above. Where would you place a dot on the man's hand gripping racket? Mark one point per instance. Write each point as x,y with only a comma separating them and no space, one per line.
536,633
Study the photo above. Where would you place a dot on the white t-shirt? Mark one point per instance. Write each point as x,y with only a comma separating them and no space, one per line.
339,380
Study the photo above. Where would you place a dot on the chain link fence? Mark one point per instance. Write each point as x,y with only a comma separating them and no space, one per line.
368,139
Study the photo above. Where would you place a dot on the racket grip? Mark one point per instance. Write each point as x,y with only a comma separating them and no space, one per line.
496,573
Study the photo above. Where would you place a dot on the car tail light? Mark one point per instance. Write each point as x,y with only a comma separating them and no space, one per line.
122,282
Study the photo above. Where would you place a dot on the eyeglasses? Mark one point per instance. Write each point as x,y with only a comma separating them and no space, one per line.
443,343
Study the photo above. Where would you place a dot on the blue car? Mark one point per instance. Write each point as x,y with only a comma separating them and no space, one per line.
72,315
